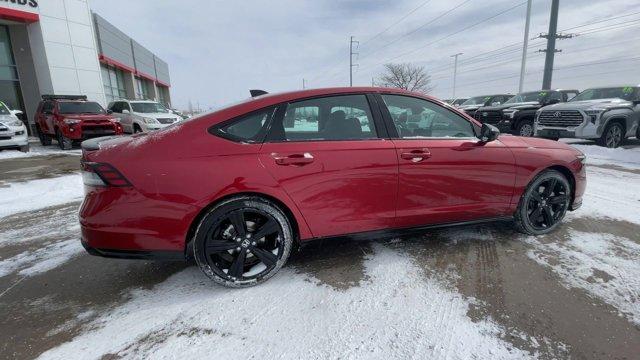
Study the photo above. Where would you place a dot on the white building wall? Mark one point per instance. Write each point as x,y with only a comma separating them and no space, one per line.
64,48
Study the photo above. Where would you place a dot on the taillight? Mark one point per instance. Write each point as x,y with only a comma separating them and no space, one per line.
102,174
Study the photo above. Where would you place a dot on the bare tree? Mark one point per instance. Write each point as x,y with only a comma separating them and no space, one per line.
406,76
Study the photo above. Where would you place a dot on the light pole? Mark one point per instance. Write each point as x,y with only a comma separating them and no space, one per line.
524,47
455,73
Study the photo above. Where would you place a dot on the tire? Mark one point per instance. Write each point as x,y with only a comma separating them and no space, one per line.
45,140
64,142
540,212
525,128
638,132
238,259
612,136
24,148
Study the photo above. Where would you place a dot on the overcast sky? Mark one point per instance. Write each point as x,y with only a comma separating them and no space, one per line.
217,50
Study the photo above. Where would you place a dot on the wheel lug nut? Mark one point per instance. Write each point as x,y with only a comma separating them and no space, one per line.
238,249
253,243
248,236
247,251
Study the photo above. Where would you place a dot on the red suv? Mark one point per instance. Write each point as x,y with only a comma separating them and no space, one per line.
239,187
69,118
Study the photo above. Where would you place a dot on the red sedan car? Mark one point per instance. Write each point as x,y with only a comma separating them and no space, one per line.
239,187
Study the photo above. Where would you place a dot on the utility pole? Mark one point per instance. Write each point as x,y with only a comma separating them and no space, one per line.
304,84
351,64
551,50
455,73
525,46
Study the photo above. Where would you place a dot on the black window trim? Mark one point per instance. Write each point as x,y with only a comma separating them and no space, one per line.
378,123
216,129
393,132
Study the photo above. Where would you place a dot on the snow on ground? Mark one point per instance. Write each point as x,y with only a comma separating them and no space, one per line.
36,194
396,313
598,155
611,194
39,241
37,150
604,265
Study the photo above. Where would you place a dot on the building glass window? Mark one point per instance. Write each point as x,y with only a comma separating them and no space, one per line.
142,88
10,92
113,81
163,95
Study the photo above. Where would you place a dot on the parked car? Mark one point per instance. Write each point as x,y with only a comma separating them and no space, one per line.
248,187
473,104
608,115
516,115
72,118
142,115
13,132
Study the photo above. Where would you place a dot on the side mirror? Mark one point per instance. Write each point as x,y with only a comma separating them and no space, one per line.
109,111
16,112
488,133
125,111
636,102
553,101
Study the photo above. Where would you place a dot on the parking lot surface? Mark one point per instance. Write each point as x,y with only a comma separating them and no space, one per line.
472,292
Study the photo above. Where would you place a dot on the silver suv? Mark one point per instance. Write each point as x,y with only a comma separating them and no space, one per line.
608,115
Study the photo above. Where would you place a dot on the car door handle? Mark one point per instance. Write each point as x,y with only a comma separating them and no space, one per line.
293,159
416,155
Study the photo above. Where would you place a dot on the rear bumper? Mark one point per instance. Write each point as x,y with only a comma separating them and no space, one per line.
135,254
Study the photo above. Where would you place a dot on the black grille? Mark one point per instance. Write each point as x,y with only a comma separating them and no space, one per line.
166,120
98,130
490,117
560,118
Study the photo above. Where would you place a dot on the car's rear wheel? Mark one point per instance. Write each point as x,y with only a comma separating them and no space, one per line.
543,204
64,142
525,128
613,135
243,241
45,140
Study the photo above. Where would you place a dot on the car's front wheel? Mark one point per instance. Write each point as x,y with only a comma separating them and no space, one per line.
243,241
525,128
543,204
45,140
64,142
613,135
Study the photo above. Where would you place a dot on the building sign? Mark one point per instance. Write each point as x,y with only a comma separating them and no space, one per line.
25,3
25,11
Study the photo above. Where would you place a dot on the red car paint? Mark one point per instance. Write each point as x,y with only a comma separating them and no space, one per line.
89,125
351,187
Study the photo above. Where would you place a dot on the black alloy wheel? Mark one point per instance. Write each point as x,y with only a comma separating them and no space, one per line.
613,135
544,203
243,242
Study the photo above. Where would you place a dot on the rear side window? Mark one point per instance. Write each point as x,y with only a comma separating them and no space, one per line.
248,128
346,117
47,106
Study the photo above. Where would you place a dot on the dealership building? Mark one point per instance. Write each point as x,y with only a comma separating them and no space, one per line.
61,47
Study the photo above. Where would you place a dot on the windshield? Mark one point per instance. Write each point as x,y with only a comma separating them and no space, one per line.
148,107
4,110
627,93
528,97
80,107
478,100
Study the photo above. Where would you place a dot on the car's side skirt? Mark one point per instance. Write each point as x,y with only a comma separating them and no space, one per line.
386,233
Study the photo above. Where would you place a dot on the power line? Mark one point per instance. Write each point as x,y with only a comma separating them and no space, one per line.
610,27
452,34
416,29
396,23
600,21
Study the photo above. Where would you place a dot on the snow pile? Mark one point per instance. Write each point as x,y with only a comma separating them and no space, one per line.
599,155
37,194
397,313
604,265
41,260
611,194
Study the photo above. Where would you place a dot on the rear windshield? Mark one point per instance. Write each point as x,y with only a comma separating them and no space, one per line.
148,108
478,100
627,93
80,107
